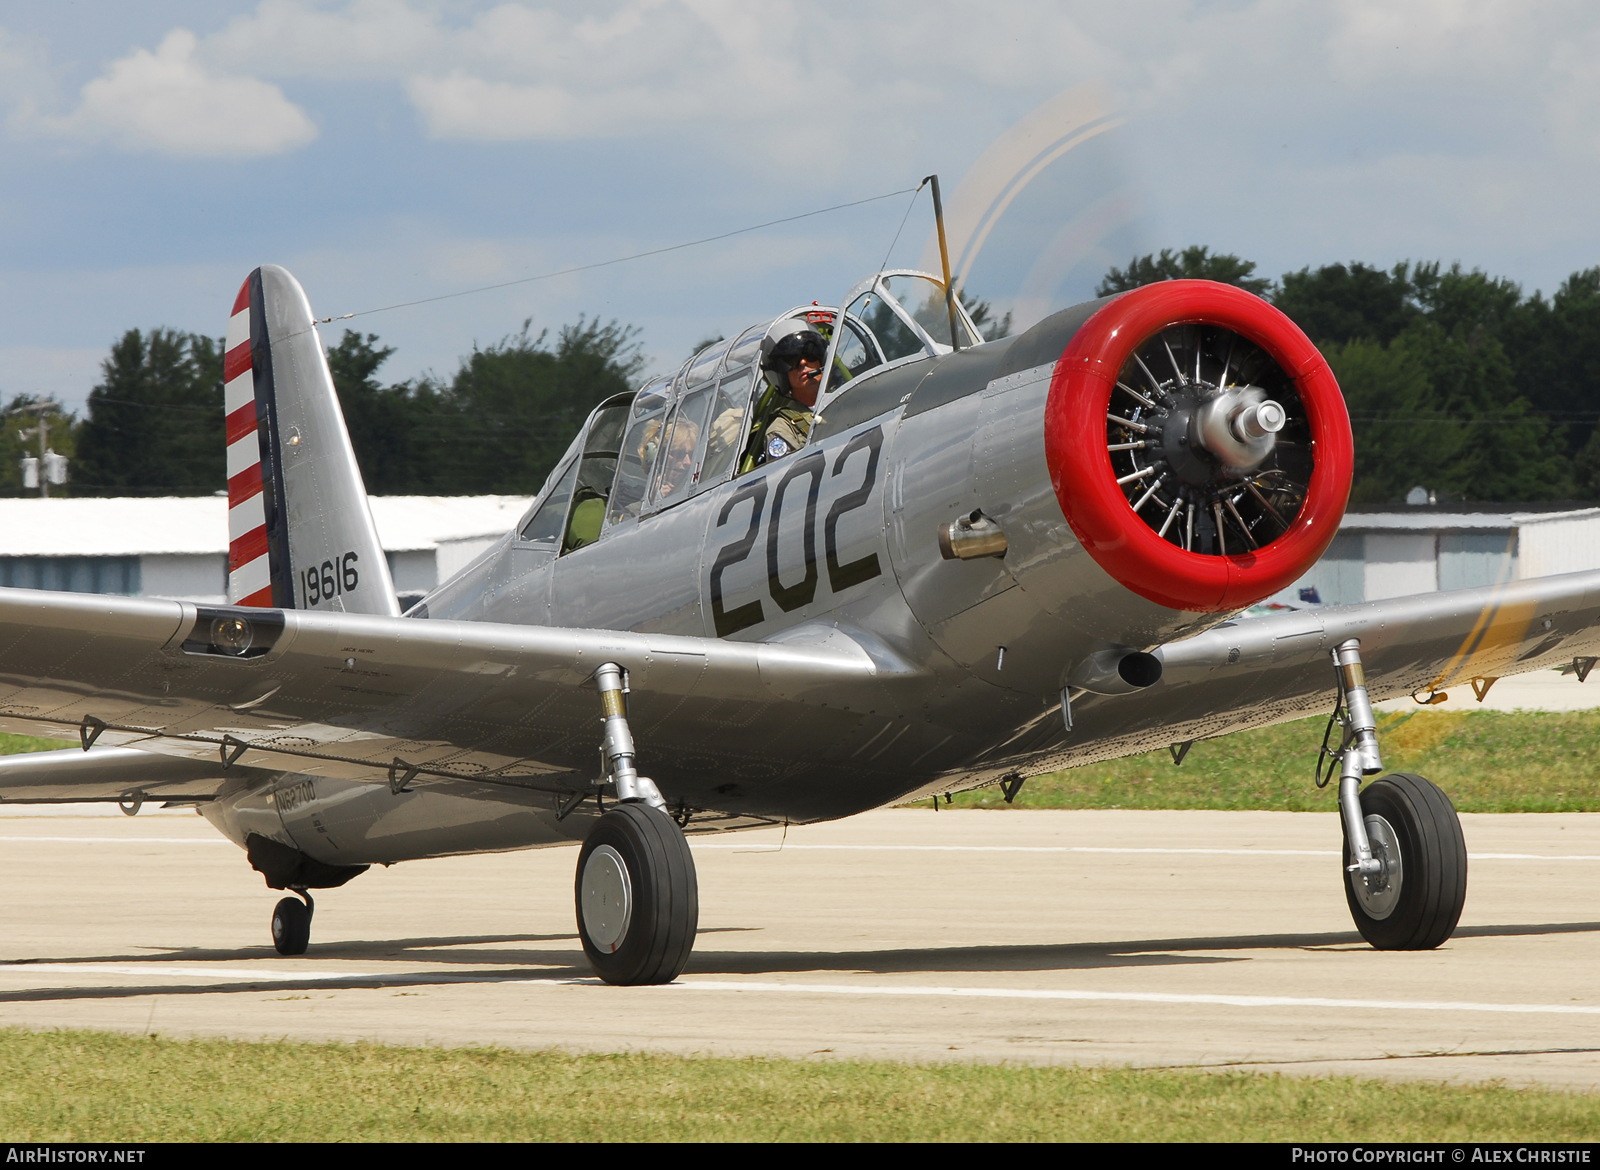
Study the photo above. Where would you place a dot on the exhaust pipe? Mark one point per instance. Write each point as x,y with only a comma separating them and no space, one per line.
1118,671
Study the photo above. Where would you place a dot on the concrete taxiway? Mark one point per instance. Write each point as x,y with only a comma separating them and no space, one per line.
1101,937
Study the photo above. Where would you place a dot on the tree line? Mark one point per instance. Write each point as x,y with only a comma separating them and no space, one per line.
1455,381
154,423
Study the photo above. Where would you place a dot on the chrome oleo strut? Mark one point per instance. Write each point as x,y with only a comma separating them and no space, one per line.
616,748
1358,756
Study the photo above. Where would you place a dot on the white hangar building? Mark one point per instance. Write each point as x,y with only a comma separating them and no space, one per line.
178,546
1405,549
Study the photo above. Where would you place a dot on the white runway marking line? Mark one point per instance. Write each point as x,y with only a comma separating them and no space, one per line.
243,975
125,840
747,848
1142,997
267,975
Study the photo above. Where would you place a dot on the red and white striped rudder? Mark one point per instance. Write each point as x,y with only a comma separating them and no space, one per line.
249,571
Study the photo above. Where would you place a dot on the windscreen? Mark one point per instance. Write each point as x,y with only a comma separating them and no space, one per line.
595,475
924,301
727,425
548,521
637,455
855,356
682,445
895,337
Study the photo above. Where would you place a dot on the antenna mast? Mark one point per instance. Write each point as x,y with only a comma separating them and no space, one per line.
944,260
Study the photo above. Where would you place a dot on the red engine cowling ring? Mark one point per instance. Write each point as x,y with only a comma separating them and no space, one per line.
1085,482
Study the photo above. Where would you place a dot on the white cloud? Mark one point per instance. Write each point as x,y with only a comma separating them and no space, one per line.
383,38
520,71
461,106
169,102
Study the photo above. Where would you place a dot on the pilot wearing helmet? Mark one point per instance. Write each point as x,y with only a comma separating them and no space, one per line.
792,354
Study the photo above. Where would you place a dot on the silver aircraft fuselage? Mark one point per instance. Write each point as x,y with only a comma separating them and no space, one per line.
843,536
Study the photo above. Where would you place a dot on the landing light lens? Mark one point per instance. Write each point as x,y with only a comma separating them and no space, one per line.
231,635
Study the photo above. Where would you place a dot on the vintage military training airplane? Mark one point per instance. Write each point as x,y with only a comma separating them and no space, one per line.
986,560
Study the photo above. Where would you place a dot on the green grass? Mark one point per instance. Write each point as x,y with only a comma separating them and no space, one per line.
1487,761
95,1087
13,745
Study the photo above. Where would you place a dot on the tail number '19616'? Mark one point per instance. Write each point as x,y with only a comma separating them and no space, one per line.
330,579
803,472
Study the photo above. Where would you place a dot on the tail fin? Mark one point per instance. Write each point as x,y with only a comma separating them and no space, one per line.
300,534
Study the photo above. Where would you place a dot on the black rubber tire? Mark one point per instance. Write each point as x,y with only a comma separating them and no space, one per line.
291,927
665,895
1433,858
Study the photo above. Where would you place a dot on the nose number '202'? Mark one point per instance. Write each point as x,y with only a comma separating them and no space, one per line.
809,468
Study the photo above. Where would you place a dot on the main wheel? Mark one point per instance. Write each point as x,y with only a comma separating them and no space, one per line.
291,927
1415,902
637,899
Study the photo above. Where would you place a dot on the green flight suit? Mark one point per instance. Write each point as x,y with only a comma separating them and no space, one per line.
782,425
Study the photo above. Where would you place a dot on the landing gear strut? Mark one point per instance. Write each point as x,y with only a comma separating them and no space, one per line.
291,923
1405,860
638,901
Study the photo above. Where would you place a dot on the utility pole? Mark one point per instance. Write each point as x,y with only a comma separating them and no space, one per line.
49,467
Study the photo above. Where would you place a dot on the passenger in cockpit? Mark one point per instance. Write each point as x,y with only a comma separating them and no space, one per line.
792,354
677,470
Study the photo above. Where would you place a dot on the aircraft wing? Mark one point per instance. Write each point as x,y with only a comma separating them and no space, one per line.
364,696
1256,671
108,773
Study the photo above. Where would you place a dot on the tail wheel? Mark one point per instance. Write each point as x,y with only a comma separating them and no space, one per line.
291,927
637,898
1415,902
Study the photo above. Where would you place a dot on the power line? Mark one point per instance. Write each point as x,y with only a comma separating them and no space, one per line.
621,259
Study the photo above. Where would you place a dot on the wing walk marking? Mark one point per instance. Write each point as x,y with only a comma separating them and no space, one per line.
1403,1005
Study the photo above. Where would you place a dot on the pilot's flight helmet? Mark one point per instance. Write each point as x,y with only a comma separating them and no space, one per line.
785,344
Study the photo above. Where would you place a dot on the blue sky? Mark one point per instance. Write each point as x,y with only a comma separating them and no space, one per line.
385,150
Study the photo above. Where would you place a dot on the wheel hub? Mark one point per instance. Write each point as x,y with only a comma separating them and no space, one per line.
607,898
1379,893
